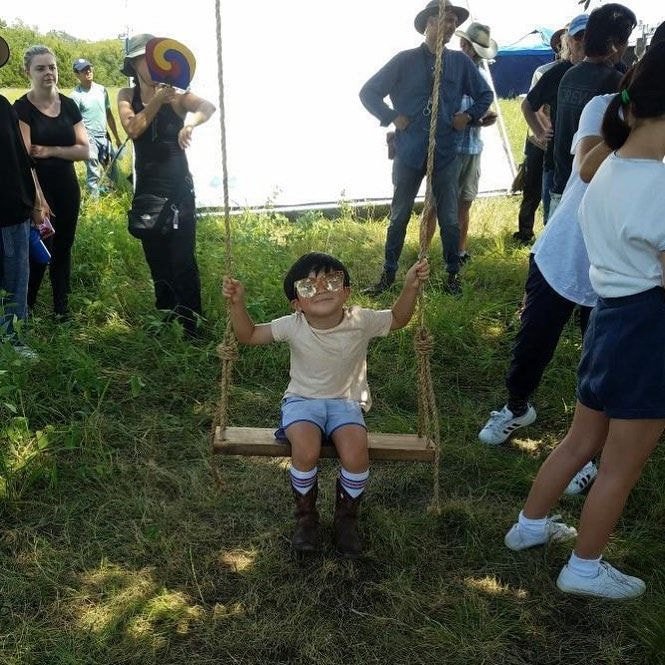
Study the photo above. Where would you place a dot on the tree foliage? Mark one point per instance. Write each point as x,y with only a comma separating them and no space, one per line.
105,55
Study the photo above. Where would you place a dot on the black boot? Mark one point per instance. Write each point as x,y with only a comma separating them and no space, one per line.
453,285
523,238
347,537
385,282
306,535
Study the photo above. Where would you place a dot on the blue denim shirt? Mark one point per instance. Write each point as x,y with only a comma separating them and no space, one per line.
471,143
407,79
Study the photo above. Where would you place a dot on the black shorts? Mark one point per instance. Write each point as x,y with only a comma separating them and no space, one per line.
622,370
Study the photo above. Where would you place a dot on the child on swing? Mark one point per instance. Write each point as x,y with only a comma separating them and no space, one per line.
328,390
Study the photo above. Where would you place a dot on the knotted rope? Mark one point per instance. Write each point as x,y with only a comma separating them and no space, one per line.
228,349
428,413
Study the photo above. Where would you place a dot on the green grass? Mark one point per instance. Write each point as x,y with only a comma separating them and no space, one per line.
117,545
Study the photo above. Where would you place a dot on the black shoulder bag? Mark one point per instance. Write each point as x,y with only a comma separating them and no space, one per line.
154,216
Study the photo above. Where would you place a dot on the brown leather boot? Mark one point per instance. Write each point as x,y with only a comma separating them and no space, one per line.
306,535
347,537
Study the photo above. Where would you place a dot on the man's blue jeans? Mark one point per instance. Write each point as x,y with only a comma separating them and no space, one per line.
406,183
14,272
101,151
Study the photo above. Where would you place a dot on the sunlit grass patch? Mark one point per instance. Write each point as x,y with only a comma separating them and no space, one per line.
118,543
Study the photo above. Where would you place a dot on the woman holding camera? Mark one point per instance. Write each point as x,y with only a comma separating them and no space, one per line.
160,122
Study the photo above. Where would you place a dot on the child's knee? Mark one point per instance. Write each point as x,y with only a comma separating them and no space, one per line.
305,440
352,447
304,458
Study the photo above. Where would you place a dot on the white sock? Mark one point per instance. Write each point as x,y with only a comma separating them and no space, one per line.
584,567
303,481
532,527
353,483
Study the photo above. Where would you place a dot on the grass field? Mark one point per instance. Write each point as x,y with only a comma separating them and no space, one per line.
117,545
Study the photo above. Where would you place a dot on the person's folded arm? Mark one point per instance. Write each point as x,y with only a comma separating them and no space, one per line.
375,91
592,152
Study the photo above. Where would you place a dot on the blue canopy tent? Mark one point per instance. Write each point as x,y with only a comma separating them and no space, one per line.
514,64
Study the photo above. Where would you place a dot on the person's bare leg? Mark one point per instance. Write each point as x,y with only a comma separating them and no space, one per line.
352,448
305,440
584,440
629,444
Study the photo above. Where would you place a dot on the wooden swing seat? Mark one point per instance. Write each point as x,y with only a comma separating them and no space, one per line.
261,442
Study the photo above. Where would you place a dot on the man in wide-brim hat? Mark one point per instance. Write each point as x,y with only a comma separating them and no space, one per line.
476,42
432,9
478,35
408,80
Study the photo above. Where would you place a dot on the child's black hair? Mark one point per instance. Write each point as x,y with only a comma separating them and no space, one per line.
642,92
607,25
315,262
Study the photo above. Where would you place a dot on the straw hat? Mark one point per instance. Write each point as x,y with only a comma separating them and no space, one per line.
478,35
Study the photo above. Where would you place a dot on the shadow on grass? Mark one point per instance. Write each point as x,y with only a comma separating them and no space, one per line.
126,551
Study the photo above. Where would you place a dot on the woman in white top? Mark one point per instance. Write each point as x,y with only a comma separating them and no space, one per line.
621,379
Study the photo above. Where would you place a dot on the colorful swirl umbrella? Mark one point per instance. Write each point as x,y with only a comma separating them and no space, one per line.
170,62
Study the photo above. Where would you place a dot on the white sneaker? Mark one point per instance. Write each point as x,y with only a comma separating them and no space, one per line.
502,424
582,479
609,583
555,531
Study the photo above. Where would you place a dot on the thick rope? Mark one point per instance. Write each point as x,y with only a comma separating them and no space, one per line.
228,349
428,414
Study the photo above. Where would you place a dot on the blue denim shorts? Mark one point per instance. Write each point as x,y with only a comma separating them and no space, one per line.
327,414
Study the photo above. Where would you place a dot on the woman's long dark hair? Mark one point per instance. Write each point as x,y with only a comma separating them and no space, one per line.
641,91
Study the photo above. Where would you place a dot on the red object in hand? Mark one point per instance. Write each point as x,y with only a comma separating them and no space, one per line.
46,229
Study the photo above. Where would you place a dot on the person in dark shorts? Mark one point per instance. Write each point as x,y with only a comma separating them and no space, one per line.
620,411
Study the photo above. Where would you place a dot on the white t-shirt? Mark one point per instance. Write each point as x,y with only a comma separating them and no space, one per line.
332,363
560,252
622,221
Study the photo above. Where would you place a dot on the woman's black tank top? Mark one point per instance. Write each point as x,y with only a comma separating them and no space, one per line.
160,163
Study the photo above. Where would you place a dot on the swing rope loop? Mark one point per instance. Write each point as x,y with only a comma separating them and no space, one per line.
228,349
428,416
